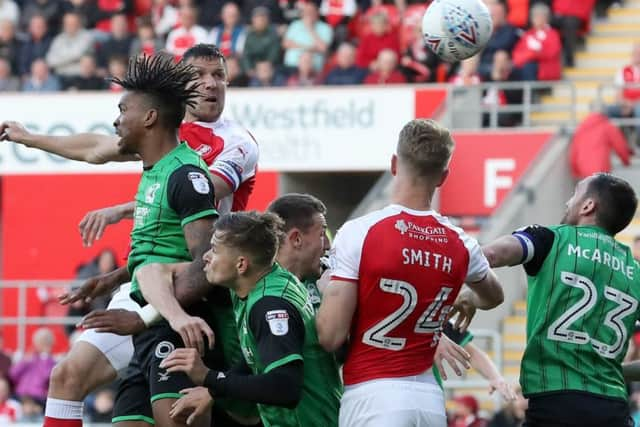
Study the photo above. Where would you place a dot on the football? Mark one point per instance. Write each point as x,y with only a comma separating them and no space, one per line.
456,29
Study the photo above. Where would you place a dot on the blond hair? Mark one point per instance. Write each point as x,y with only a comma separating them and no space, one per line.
425,147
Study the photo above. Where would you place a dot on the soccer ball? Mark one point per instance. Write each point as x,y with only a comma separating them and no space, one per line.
456,29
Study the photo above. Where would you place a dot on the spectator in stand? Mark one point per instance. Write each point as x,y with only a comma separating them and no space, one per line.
88,78
8,82
5,360
187,34
346,72
628,97
266,76
467,74
117,68
68,47
230,35
419,63
380,37
262,43
504,37
307,33
107,10
503,71
9,11
10,410
305,75
10,46
466,413
538,53
41,80
291,10
512,414
50,10
164,17
118,43
338,14
31,375
235,75
273,8
36,46
572,16
146,42
86,9
593,143
385,70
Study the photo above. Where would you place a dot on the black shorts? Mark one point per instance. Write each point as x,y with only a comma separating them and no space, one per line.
576,409
152,346
132,401
220,418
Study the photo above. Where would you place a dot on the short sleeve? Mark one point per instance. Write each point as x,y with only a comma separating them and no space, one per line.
279,331
478,263
190,194
239,164
536,242
345,254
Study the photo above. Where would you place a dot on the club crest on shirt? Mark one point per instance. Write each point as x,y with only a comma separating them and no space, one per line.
199,182
278,322
203,149
150,194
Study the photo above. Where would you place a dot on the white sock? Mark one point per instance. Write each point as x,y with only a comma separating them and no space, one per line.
63,409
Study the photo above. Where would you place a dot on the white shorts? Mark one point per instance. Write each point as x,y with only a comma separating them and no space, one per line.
117,349
415,401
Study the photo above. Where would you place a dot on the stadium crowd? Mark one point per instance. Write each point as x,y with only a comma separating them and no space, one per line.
52,45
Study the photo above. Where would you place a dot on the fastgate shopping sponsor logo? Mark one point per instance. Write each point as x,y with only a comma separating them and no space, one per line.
418,232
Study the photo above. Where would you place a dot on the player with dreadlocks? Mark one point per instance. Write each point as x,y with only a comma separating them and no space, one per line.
174,206
174,203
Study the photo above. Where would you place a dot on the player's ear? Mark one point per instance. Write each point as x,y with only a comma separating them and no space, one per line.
294,236
589,206
443,177
242,264
394,165
150,118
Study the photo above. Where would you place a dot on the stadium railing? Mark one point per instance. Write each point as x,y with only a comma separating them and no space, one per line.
465,106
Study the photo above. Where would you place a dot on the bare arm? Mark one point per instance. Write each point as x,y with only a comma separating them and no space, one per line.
481,362
504,251
223,189
191,284
156,285
487,293
87,147
333,320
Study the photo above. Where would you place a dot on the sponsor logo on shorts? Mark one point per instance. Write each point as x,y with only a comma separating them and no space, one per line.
164,348
163,376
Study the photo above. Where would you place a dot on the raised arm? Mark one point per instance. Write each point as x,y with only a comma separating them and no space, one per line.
87,147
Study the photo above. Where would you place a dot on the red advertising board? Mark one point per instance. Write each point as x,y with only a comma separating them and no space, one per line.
485,167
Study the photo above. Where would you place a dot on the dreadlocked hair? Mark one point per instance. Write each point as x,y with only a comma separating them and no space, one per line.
168,85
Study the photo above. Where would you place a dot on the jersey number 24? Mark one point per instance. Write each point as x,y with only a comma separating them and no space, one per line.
428,323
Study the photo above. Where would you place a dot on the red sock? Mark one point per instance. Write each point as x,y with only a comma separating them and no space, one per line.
57,422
